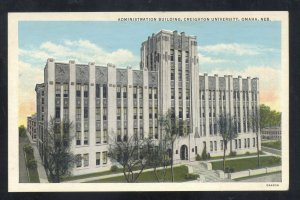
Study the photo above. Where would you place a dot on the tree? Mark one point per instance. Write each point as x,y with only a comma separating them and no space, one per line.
58,158
257,124
173,127
227,126
132,154
269,117
160,156
22,131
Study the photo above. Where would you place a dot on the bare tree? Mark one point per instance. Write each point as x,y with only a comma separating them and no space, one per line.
257,124
173,127
159,156
132,154
227,127
58,158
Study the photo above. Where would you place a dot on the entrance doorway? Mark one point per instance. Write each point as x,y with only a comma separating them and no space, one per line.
183,152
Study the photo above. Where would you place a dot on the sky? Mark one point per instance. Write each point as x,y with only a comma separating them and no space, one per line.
237,48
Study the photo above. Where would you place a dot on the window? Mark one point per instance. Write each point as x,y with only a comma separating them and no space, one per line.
118,113
86,160
150,113
119,139
179,74
97,158
150,133
216,147
180,93
125,137
141,113
78,90
66,90
104,91
78,138
135,92
42,100
222,145
172,74
105,136
66,113
155,112
98,111
155,93
98,137
253,142
86,112
57,112
57,90
141,133
86,91
78,114
156,133
135,113
97,90
141,93
104,113
187,113
211,146
248,141
104,157
150,93
118,92
187,93
180,112
78,160
179,56
172,54
135,133
186,57
172,93
240,143
125,92
236,143
86,138
245,143
125,113
196,150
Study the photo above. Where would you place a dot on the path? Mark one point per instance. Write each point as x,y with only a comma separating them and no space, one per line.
23,174
271,150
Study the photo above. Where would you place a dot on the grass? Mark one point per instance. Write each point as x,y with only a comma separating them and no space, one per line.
148,177
247,163
33,174
70,178
236,156
272,144
255,176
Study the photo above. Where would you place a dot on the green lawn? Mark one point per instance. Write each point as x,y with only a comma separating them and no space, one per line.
247,163
272,144
145,177
33,174
69,178
236,156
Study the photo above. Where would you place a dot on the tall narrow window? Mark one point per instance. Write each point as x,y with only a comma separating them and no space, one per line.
78,90
179,56
150,133
78,114
66,113
119,113
57,112
215,144
141,133
211,146
66,90
125,113
57,90
105,136
180,93
86,91
186,57
104,157
187,93
172,74
86,112
104,113
104,91
97,158
135,113
78,138
180,112
155,112
141,93
86,160
150,92
98,113
86,138
141,112
155,93
134,92
97,90
98,137
125,92
172,93
119,136
78,160
118,92
172,54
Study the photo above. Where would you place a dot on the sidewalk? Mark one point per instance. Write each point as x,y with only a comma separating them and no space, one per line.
23,173
40,167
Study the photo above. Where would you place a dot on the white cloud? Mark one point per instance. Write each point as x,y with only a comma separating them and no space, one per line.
269,81
235,48
209,60
82,51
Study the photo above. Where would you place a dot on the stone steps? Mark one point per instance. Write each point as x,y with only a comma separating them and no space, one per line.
209,175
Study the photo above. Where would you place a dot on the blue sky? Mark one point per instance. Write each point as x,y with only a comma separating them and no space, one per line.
246,48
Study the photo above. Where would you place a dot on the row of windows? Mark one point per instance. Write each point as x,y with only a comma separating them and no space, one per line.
83,159
237,144
86,137
179,58
187,93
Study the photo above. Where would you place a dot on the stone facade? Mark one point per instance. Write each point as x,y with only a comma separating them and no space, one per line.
106,102
32,127
271,133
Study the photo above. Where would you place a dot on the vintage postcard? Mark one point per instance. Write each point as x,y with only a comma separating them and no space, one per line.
148,101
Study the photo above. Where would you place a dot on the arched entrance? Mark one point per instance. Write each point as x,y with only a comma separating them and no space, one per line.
183,152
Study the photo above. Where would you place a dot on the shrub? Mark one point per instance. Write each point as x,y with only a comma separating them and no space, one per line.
208,155
232,154
113,168
229,170
247,153
22,131
198,157
28,149
204,154
274,160
32,164
191,176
